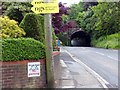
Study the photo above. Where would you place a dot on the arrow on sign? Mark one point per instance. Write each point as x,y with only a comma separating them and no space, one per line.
38,2
46,8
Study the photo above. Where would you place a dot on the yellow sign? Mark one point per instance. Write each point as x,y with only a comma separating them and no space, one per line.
54,1
38,2
45,8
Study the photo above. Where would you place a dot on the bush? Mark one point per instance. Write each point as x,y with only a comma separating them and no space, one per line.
110,41
33,24
9,28
32,27
54,40
22,49
15,14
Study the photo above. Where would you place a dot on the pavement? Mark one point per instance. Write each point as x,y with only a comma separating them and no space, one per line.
71,74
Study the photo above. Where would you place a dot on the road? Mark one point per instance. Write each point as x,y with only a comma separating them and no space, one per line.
103,61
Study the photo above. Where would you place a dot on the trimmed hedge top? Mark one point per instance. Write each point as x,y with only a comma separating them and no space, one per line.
22,49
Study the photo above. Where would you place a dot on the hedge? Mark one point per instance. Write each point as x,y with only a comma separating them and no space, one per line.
33,25
22,49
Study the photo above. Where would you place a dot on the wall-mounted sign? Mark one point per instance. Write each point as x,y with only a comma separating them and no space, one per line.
33,69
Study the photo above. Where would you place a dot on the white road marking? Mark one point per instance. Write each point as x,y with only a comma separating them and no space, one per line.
99,53
103,82
112,58
63,64
68,86
106,55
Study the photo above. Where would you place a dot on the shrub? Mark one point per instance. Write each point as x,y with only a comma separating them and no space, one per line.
15,14
22,49
9,28
54,40
41,20
33,24
110,41
32,27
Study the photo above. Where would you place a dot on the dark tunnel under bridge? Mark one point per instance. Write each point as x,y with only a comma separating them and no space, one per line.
80,38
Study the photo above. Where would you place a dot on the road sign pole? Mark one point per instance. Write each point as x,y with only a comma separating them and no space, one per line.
49,49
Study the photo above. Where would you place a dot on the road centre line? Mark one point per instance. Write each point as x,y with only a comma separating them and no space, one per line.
99,53
103,82
106,55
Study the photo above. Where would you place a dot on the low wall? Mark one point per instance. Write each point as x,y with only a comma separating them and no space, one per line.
14,74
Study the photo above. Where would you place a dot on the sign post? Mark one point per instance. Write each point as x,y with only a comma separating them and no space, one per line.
47,7
48,40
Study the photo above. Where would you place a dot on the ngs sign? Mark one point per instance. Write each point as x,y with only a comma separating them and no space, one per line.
33,69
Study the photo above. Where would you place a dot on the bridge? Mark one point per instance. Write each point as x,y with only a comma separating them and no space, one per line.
75,37
80,38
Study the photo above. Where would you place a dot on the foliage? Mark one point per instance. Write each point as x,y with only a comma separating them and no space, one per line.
75,9
22,49
63,36
57,20
15,14
16,10
88,5
110,41
54,39
107,21
10,29
65,18
85,21
33,26
97,19
57,23
100,20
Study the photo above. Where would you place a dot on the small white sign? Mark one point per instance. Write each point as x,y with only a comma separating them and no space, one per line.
33,69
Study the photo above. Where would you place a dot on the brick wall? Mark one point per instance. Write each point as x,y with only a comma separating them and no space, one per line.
14,75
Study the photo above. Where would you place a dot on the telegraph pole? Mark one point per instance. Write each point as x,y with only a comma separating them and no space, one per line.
49,49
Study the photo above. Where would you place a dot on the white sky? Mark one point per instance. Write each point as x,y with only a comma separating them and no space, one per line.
69,2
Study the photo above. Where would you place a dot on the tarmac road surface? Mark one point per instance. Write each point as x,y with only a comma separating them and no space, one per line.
103,61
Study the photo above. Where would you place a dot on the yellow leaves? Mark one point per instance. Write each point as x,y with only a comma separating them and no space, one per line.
9,28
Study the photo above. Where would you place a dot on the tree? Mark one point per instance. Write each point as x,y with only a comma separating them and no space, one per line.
100,20
15,14
107,21
16,10
59,22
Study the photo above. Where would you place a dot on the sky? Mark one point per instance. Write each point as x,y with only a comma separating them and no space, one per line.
69,2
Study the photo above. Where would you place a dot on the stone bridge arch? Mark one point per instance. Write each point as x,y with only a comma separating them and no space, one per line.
75,33
80,38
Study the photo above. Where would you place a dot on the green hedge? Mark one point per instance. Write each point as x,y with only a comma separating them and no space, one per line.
33,25
22,49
